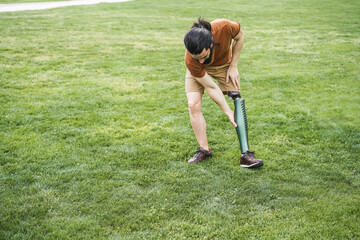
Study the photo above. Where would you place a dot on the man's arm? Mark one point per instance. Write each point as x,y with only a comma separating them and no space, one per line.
233,73
216,94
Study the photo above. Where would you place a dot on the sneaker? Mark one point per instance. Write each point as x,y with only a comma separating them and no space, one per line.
201,154
248,160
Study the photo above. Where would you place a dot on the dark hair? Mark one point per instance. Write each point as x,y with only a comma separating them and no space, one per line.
199,37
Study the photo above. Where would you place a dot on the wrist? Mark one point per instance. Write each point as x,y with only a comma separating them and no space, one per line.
233,65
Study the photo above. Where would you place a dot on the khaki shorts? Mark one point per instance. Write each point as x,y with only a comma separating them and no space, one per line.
216,72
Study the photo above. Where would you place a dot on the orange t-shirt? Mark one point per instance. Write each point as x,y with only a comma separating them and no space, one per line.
223,31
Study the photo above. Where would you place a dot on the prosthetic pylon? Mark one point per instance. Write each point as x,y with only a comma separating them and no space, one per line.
241,120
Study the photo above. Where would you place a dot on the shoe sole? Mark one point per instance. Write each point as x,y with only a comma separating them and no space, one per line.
191,162
255,165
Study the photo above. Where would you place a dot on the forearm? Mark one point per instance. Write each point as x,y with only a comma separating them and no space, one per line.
215,93
218,97
236,49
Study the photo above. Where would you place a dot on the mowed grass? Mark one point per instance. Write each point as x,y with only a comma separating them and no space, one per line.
95,133
28,1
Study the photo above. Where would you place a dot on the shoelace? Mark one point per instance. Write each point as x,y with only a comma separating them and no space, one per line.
252,155
199,151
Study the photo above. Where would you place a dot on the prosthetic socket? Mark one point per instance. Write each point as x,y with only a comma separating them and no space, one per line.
240,119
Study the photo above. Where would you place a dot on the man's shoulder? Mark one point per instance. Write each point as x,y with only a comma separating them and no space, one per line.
196,69
220,26
188,58
190,62
220,22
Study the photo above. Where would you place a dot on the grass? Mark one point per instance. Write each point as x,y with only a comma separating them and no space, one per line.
95,132
27,1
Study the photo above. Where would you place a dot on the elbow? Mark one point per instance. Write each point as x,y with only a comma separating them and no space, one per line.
242,36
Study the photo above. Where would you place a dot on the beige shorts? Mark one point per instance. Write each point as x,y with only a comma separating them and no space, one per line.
216,72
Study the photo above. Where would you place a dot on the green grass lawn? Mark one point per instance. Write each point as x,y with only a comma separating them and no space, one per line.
27,1
95,133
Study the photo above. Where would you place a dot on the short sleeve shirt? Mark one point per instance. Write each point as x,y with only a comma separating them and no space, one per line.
223,31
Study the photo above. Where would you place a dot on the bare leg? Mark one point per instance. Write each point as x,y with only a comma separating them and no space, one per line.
197,118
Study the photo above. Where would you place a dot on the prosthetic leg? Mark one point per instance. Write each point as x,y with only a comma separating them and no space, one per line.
248,159
241,120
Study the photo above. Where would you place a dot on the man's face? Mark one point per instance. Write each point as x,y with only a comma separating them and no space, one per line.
203,56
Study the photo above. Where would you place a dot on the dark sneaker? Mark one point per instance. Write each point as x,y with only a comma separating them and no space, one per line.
200,155
248,160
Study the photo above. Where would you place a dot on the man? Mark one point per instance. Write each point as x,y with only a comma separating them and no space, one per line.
209,53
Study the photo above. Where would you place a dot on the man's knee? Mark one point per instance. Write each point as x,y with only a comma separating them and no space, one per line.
194,101
194,106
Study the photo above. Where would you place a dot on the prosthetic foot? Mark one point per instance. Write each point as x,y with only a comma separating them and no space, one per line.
248,159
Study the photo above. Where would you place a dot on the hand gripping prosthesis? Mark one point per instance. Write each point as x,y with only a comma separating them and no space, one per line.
240,119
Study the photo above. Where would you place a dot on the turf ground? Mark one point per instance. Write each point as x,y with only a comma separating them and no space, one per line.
26,1
95,132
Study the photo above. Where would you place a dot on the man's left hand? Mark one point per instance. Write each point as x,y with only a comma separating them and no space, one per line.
233,75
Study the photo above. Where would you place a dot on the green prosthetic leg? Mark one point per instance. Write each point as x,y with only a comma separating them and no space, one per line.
247,159
241,121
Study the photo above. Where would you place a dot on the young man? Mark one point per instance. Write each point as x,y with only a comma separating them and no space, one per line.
209,53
